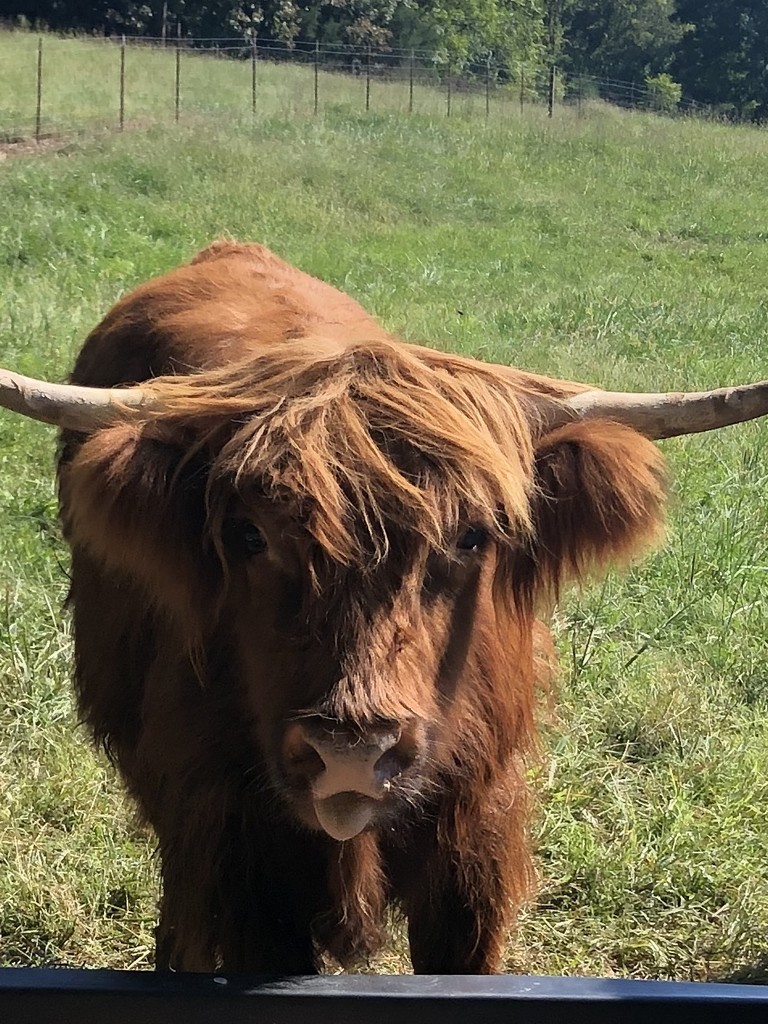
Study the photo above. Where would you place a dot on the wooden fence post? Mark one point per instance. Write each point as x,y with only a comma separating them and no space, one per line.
551,90
178,69
39,100
253,75
522,90
122,83
487,88
410,83
368,79
317,68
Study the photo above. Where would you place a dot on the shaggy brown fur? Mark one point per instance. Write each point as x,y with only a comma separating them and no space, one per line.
363,461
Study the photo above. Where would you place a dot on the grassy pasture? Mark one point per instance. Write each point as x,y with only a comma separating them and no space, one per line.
627,250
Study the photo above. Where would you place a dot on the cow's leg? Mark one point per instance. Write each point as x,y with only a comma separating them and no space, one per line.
241,901
163,945
184,939
178,950
236,942
452,931
462,880
258,935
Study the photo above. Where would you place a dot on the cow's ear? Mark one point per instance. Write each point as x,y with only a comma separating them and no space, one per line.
137,506
598,499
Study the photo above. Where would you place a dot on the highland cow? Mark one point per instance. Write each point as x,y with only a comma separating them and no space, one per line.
307,564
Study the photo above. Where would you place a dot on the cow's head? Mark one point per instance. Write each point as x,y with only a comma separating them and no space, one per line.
366,533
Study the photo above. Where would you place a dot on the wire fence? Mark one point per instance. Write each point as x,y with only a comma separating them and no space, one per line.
49,87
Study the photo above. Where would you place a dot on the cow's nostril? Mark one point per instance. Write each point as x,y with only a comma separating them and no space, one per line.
301,753
385,738
336,757
327,735
392,764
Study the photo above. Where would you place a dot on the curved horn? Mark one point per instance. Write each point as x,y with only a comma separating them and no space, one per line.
67,405
656,415
673,413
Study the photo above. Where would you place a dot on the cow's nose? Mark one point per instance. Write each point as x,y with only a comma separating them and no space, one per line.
344,759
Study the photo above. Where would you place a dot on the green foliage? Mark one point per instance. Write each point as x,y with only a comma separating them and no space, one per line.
505,31
127,16
360,22
508,32
722,59
623,39
664,91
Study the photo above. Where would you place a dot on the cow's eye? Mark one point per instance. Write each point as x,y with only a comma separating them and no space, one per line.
254,541
473,538
243,538
249,539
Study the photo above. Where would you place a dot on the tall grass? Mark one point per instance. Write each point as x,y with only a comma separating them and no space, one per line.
627,250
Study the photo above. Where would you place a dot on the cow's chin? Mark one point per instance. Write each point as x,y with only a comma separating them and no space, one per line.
341,816
345,815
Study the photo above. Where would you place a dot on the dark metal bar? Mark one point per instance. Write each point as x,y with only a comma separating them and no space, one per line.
124,997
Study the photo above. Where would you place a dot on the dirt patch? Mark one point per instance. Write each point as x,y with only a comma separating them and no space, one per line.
32,147
60,142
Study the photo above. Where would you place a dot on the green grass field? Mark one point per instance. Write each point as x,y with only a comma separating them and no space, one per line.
626,250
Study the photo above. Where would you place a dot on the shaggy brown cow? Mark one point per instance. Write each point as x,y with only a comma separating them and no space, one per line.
306,563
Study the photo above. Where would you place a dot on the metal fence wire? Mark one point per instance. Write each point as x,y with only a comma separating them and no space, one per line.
33,103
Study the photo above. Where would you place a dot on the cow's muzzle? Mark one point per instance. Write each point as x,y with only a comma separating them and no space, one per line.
349,770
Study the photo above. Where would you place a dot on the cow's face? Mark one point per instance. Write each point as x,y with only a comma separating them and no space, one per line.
352,674
372,578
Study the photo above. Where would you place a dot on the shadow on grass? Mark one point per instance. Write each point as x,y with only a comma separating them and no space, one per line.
752,974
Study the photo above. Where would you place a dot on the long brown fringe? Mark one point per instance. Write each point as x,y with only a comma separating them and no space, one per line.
365,435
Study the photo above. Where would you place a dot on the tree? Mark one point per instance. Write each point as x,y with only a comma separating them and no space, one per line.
360,22
90,15
504,32
507,32
623,39
723,59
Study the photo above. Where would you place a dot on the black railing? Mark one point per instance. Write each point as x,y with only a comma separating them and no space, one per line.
124,997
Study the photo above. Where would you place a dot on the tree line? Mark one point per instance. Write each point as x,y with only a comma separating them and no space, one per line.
715,51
